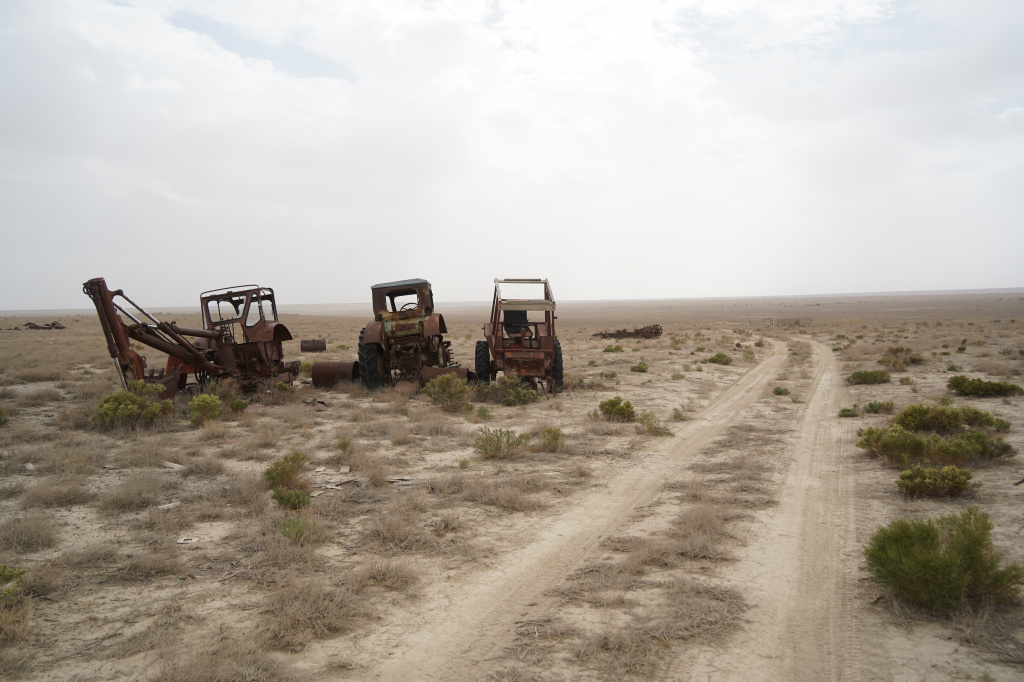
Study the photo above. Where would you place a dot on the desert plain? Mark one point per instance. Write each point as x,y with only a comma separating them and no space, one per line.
719,538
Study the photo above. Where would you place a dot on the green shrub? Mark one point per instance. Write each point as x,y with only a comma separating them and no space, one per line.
904,447
344,444
284,473
238,405
10,581
291,499
500,443
946,420
448,392
650,424
507,390
463,463
677,376
305,367
613,349
639,367
483,413
925,480
617,410
203,408
965,386
961,349
720,359
906,381
876,407
552,439
849,412
677,415
942,564
780,390
869,376
295,528
135,407
608,375
952,367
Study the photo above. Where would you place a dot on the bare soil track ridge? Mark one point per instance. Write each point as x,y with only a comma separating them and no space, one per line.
480,621
801,570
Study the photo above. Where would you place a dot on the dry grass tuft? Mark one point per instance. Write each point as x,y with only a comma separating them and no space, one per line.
55,495
202,466
308,609
137,492
228,661
30,533
147,566
394,575
509,492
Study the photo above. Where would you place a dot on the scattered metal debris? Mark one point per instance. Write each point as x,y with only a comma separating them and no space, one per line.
52,325
172,465
313,345
517,345
651,331
241,338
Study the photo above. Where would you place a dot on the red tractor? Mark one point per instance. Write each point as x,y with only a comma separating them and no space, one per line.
404,342
520,338
241,338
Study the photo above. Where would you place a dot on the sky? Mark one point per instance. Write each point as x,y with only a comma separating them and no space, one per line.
623,150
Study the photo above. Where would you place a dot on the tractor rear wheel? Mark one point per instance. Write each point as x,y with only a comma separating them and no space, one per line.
483,362
557,370
369,363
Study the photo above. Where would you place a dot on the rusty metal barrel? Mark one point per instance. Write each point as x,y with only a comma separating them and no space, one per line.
313,345
327,374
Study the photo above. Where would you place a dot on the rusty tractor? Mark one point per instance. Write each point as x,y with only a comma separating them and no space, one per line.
518,343
404,343
241,338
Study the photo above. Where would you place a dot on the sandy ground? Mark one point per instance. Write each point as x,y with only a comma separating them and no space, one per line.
728,550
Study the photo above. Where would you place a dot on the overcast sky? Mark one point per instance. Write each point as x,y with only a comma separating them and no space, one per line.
633,149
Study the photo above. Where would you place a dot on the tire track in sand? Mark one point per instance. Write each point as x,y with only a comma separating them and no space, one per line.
802,570
450,641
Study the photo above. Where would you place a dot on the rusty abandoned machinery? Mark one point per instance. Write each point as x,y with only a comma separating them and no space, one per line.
241,338
518,343
651,331
404,342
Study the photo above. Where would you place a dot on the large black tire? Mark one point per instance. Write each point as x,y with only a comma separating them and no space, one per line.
369,363
557,370
483,362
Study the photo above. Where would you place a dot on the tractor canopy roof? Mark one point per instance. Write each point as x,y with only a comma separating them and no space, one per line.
401,283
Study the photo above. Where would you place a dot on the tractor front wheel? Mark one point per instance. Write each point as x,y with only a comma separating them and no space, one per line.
369,363
483,362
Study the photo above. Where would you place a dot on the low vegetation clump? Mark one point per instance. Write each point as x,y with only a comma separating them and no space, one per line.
947,420
925,480
306,367
237,405
942,564
869,376
500,443
282,477
720,358
607,375
613,349
965,386
896,359
903,447
203,408
136,406
448,392
552,439
649,424
639,367
905,381
876,407
617,410
849,412
507,390
780,390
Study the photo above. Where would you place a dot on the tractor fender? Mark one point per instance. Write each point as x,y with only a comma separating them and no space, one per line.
374,333
434,325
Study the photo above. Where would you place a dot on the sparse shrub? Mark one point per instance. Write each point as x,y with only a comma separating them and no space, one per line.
500,443
3,418
942,564
617,410
896,359
483,413
448,392
552,439
961,349
291,499
10,581
877,407
203,408
946,420
748,356
780,390
720,359
759,343
953,367
965,386
904,447
650,424
305,367
30,533
677,376
613,349
905,381
849,412
136,406
237,405
639,367
925,480
592,363
608,375
344,444
507,390
677,415
463,463
298,529
869,376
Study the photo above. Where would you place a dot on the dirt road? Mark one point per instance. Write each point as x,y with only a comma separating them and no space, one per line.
455,638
